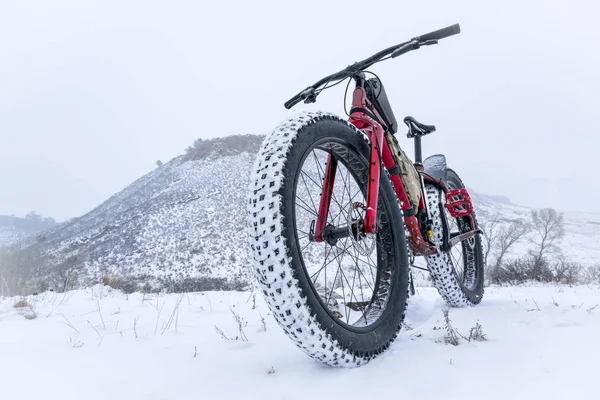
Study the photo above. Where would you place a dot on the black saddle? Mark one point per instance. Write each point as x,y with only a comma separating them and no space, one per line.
415,128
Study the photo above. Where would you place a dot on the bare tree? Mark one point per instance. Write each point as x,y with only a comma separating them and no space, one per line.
67,273
491,232
549,227
508,236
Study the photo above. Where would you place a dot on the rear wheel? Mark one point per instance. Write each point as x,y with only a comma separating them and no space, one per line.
340,301
458,274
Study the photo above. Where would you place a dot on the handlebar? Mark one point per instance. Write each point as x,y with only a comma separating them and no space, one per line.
309,95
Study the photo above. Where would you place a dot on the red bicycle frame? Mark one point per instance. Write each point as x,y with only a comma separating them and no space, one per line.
380,152
364,116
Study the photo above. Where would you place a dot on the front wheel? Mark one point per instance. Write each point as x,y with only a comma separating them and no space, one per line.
458,274
342,301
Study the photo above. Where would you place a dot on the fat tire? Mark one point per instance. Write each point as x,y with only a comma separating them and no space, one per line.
440,265
274,251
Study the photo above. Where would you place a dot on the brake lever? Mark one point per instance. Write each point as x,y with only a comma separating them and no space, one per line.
309,95
412,45
428,42
311,99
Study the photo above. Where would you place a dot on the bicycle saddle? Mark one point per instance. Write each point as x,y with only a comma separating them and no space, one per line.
416,128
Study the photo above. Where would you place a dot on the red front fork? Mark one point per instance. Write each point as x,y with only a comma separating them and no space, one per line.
328,179
379,151
370,221
376,138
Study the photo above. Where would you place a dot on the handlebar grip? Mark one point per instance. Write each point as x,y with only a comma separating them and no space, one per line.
440,34
303,95
292,102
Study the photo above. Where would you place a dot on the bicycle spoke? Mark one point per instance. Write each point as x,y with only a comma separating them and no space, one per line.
305,247
350,201
320,269
336,258
354,274
357,269
352,293
361,293
372,265
326,264
302,232
336,220
320,187
307,210
308,191
333,284
360,272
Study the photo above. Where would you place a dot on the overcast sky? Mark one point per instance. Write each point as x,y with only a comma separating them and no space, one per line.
92,93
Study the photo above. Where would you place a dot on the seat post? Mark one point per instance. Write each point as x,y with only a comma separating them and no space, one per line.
418,151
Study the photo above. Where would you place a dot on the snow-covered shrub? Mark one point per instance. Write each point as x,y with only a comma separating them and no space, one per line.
200,284
22,304
532,268
476,333
567,272
591,274
126,285
521,270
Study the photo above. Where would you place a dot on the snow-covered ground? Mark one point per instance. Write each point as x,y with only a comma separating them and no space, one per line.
542,343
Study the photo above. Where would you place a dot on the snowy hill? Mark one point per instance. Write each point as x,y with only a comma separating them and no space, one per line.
181,227
183,222
14,229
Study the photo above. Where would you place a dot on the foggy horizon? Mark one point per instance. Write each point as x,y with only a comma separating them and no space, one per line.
165,161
